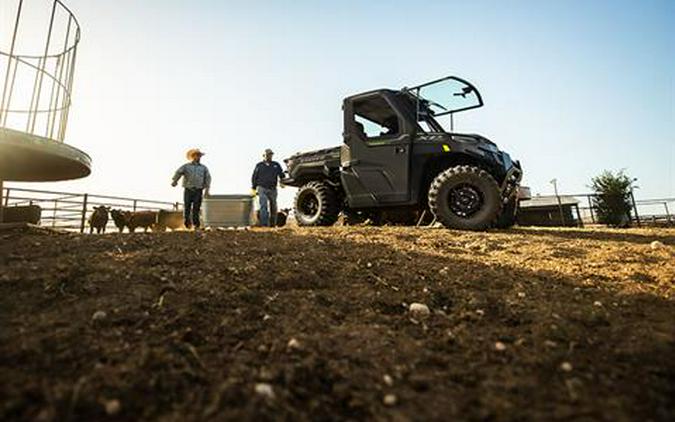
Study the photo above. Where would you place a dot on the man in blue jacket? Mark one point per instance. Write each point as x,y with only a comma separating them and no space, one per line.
264,183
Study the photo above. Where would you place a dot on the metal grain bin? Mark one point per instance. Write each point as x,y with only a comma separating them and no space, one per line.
228,211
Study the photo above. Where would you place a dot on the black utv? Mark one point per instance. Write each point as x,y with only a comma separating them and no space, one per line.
398,164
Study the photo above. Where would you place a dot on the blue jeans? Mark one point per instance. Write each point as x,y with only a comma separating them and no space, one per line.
192,203
268,214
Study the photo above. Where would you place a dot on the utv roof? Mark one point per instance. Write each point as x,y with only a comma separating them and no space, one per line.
372,91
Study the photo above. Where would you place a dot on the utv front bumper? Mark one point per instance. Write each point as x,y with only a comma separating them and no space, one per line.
506,170
511,181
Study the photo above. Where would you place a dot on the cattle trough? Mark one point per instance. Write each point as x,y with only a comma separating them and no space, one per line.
228,211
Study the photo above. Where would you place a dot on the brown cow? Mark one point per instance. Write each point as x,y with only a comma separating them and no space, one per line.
145,219
21,214
169,219
98,219
120,218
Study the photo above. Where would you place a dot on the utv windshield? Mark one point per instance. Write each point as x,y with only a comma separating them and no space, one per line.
445,96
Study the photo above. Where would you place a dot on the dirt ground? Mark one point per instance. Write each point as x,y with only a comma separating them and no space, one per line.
300,324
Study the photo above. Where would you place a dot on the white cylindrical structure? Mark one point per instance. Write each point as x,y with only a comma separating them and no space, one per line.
38,52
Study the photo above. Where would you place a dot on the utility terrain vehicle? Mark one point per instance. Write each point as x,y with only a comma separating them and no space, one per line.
397,163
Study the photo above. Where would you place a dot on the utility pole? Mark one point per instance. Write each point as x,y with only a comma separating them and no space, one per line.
554,182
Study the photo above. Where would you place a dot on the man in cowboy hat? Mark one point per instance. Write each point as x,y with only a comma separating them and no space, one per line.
196,182
264,183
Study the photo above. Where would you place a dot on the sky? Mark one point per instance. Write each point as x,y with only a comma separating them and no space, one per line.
571,88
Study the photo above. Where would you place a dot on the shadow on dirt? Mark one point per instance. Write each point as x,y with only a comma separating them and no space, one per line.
193,322
600,235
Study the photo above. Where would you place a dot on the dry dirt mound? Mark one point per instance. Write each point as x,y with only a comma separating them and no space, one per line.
314,324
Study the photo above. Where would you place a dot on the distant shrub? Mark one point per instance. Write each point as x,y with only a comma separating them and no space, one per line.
612,202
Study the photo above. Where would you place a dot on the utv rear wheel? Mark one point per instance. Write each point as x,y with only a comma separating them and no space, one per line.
508,216
316,204
465,197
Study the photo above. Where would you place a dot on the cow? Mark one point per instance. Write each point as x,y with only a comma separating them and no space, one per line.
120,218
21,214
98,219
169,219
145,219
282,217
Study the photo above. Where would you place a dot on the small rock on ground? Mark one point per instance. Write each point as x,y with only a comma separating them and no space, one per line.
390,400
265,390
419,309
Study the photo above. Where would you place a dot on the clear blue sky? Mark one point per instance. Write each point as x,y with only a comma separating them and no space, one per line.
571,87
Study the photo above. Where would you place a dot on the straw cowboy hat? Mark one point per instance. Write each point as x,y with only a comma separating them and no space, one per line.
193,152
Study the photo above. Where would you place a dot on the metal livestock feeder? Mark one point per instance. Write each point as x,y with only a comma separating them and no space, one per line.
38,50
228,211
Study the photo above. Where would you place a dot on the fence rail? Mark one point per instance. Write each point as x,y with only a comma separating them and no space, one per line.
652,212
70,211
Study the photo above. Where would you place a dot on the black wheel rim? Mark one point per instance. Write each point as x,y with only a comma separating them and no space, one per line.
309,205
465,200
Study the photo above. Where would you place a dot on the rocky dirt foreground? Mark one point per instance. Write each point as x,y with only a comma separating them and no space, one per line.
318,324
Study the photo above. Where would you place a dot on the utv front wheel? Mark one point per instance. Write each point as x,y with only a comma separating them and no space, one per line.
316,204
465,197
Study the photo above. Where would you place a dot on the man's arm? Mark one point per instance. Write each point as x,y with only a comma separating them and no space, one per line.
207,178
180,172
254,178
280,173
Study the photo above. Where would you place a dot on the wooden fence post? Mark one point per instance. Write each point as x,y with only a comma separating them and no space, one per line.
1,201
84,212
590,207
637,216
581,222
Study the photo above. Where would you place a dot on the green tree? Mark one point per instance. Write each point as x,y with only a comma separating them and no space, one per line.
612,202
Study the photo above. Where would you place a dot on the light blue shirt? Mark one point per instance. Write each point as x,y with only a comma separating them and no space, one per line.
195,176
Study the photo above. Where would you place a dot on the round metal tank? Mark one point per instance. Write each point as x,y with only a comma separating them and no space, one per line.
228,211
30,158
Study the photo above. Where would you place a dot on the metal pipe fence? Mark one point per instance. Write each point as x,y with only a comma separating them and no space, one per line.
71,211
651,212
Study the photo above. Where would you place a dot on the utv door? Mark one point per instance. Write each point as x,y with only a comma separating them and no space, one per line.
375,156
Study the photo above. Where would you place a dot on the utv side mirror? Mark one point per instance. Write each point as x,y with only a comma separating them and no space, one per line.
465,91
